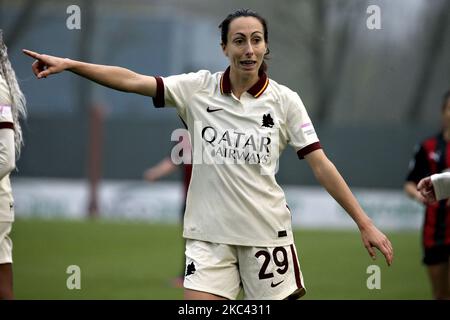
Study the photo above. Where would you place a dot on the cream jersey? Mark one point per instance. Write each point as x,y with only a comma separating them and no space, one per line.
233,196
6,123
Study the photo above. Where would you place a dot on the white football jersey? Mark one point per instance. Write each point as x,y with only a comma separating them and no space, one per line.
233,196
6,123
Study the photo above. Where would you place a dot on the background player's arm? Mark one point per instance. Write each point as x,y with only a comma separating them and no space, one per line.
410,188
163,168
110,76
330,178
418,168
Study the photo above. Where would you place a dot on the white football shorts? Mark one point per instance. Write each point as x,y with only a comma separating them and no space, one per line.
5,243
264,273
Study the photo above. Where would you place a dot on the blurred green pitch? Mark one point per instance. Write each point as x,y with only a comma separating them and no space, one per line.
137,260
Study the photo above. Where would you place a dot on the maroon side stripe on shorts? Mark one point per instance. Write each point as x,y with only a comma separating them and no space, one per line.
296,268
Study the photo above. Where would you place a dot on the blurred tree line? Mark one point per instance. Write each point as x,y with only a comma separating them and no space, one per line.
378,91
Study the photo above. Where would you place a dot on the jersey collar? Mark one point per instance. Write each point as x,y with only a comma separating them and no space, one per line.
257,89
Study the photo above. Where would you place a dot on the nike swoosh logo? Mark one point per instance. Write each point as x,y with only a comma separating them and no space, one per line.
213,110
273,285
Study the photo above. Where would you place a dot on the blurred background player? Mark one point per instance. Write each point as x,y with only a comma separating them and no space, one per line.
435,187
12,107
165,167
433,156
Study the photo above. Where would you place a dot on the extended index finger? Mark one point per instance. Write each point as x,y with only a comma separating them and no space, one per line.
31,53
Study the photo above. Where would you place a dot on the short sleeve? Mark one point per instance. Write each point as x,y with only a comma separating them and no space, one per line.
177,90
418,166
301,133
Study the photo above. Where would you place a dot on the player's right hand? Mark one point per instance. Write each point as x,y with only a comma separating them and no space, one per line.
46,65
372,237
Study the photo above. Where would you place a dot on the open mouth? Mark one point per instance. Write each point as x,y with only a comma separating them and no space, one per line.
248,63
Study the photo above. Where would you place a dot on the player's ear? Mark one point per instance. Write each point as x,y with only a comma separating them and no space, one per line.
224,49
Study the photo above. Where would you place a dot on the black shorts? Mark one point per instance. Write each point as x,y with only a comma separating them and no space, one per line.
436,255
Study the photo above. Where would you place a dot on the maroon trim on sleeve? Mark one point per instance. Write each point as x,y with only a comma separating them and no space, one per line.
158,100
308,149
6,125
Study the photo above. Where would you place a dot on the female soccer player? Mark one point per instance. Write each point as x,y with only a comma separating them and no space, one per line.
12,107
432,158
237,223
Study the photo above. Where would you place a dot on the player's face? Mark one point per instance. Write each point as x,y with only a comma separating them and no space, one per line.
246,46
446,115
